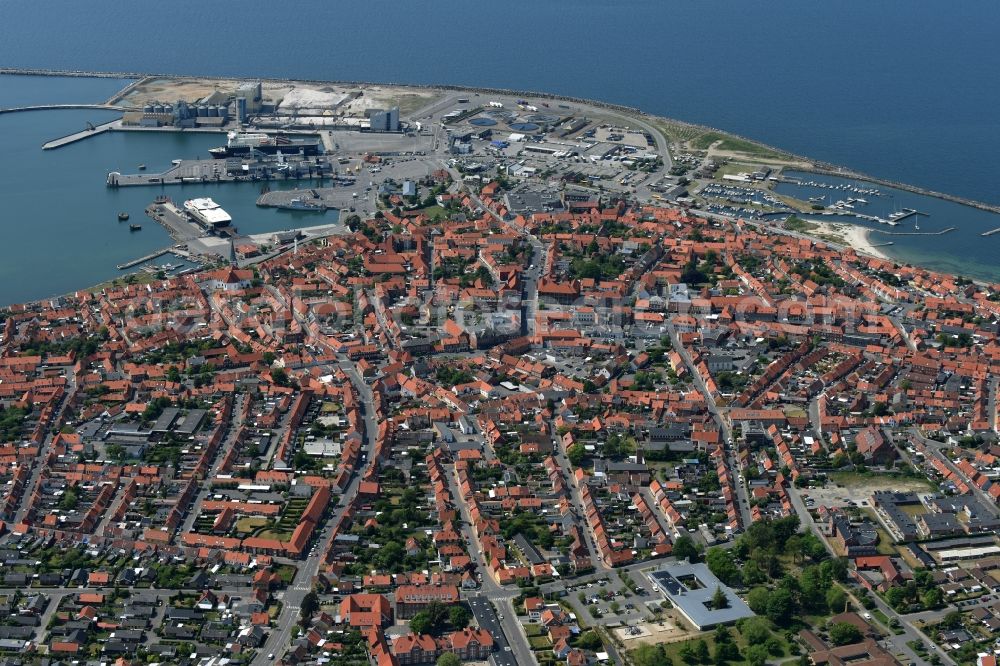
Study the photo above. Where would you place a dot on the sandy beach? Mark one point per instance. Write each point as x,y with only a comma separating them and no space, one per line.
853,235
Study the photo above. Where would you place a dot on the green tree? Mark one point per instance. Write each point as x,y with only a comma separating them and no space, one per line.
757,600
836,599
834,569
70,498
390,556
721,563
449,659
310,604
459,617
755,630
932,597
421,623
684,549
432,620
653,655
752,574
813,589
952,620
780,607
756,655
576,454
766,560
279,376
844,633
701,651
726,652
589,640
719,599
897,597
794,547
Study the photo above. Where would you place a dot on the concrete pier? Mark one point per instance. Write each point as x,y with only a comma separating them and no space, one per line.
144,259
57,107
175,221
81,135
914,233
906,214
315,199
215,171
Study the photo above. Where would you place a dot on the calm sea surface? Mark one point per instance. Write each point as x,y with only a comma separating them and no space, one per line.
901,90
58,220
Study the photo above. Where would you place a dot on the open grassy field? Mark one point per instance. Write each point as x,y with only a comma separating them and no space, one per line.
248,524
139,277
868,483
728,143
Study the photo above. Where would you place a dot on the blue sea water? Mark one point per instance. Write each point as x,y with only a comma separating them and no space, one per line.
58,220
915,239
897,89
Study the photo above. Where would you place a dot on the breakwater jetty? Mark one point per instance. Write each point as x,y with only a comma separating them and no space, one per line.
841,172
143,259
92,130
914,233
57,107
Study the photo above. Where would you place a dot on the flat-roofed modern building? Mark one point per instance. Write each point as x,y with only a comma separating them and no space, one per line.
690,588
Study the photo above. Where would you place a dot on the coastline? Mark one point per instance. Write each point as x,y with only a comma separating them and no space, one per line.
859,238
844,233
837,233
814,165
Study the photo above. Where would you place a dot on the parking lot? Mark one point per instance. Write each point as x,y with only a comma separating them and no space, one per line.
611,600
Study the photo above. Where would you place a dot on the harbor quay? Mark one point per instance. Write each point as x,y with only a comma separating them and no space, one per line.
233,169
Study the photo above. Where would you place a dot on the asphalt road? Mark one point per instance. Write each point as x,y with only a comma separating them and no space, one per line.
577,502
292,598
508,627
487,618
43,453
742,497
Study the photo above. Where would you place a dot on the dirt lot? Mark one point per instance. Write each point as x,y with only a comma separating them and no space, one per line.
171,90
651,633
312,97
848,489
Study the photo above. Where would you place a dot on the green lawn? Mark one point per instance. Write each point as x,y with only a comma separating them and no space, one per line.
280,535
877,480
286,572
733,168
673,649
733,144
435,210
540,642
248,524
677,132
798,224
